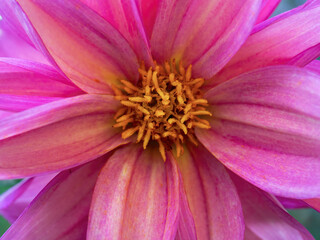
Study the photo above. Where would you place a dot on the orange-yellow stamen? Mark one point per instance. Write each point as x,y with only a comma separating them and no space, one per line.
164,107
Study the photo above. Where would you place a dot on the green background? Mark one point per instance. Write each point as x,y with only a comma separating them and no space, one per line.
308,217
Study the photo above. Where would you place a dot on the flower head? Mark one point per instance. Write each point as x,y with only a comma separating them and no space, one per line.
167,119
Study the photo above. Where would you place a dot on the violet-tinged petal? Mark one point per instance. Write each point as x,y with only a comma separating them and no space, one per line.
136,197
266,128
21,77
4,114
204,33
314,66
125,17
292,203
292,38
211,195
61,209
90,51
17,198
57,135
267,8
264,217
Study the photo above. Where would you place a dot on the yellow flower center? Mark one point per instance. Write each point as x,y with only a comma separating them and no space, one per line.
165,106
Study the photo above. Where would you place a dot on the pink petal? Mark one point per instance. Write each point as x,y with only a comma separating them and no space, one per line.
292,38
292,203
266,128
205,33
314,66
186,225
57,135
264,217
267,8
314,203
19,103
136,197
61,209
25,84
211,195
124,16
21,78
17,198
90,51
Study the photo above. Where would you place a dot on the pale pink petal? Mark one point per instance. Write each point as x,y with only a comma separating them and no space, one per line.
29,78
264,217
204,33
314,66
13,46
266,128
61,209
136,197
57,135
267,8
90,51
211,195
124,16
17,198
292,203
17,22
314,203
292,38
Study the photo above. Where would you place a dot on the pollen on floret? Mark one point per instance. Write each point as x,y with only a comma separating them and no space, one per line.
165,106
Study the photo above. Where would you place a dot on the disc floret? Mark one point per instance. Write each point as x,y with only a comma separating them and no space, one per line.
165,106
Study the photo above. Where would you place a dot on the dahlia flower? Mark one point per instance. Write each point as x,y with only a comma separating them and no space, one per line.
158,119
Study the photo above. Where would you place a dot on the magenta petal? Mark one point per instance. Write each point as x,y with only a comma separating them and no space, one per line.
205,33
17,198
136,197
292,38
57,135
267,8
148,11
61,209
292,203
211,196
90,51
266,128
264,217
314,203
125,17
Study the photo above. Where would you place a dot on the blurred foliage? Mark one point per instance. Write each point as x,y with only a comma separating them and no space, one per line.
5,185
308,217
